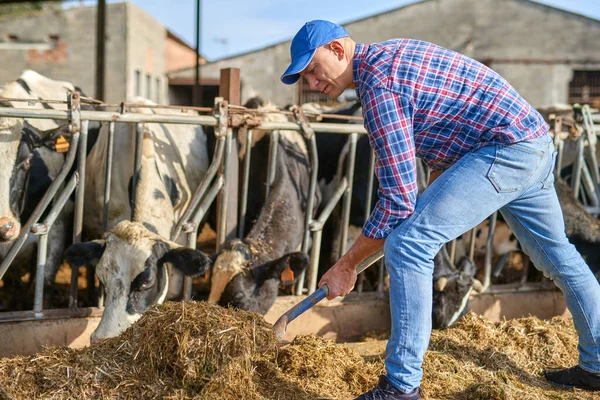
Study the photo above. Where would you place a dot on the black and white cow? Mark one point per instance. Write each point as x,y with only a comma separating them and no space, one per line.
174,161
582,228
30,164
248,272
137,268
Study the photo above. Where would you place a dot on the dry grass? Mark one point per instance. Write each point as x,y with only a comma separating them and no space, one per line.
194,350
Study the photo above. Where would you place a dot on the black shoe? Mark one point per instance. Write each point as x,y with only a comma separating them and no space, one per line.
574,377
385,391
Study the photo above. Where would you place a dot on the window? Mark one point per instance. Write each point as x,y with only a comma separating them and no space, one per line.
138,83
585,87
157,92
148,86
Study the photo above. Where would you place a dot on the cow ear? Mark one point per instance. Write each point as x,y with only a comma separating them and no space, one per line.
287,268
189,261
85,253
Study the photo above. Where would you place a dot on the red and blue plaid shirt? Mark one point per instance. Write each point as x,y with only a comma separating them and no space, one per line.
422,100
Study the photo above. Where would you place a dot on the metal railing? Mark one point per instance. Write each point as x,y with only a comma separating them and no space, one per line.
216,178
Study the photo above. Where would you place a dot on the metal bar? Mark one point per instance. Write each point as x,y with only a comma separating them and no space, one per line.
108,174
347,202
589,186
223,195
42,205
272,163
79,196
312,187
58,205
577,166
187,280
487,267
371,179
39,277
50,314
453,251
559,157
245,183
331,204
314,261
473,234
381,275
100,48
137,164
107,116
208,200
199,193
197,94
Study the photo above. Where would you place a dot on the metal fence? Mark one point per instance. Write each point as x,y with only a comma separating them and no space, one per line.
214,184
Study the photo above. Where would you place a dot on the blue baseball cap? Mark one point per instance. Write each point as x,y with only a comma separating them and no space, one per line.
311,36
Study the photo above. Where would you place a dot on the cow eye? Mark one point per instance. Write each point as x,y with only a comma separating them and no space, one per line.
147,283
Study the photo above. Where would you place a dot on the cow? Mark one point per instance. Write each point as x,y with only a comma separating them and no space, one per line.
582,229
30,163
247,273
174,161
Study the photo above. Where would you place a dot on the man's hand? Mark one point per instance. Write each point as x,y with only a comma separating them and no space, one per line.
340,278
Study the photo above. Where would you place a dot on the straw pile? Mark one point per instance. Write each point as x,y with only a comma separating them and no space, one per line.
194,350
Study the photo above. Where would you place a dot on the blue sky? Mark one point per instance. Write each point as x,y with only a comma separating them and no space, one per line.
234,26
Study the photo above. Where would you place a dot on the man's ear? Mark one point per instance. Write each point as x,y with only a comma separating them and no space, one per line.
338,49
287,268
85,253
189,261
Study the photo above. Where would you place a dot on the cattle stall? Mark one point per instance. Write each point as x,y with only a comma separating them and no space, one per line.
229,123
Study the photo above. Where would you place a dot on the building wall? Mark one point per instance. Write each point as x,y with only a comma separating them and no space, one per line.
74,57
180,56
146,55
535,47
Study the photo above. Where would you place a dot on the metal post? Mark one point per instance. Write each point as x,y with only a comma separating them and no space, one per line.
223,198
472,246
577,167
487,268
381,275
187,280
371,179
314,258
108,174
453,251
199,193
43,231
197,91
137,166
39,278
245,183
348,194
100,48
272,163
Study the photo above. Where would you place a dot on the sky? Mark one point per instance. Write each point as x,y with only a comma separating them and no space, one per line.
230,27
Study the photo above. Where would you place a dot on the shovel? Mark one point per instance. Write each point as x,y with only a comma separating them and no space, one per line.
322,292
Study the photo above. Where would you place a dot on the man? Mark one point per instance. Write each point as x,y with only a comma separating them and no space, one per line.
465,120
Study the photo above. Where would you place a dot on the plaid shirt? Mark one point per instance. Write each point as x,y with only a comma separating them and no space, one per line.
422,100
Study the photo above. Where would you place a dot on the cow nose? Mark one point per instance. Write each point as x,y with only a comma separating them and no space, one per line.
8,229
94,340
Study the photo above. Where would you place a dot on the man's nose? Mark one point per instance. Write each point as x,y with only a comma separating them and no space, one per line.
313,83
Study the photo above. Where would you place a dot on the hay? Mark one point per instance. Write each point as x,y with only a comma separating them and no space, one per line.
195,350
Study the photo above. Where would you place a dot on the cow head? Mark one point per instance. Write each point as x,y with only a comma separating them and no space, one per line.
256,288
451,289
136,268
21,147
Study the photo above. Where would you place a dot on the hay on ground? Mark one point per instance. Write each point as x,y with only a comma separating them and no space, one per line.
195,350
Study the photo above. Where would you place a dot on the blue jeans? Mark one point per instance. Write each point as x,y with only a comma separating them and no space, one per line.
517,180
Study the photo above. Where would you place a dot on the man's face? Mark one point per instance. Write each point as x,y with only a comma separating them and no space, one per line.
325,72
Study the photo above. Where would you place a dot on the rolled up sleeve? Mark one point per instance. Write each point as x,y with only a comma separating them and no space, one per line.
388,120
